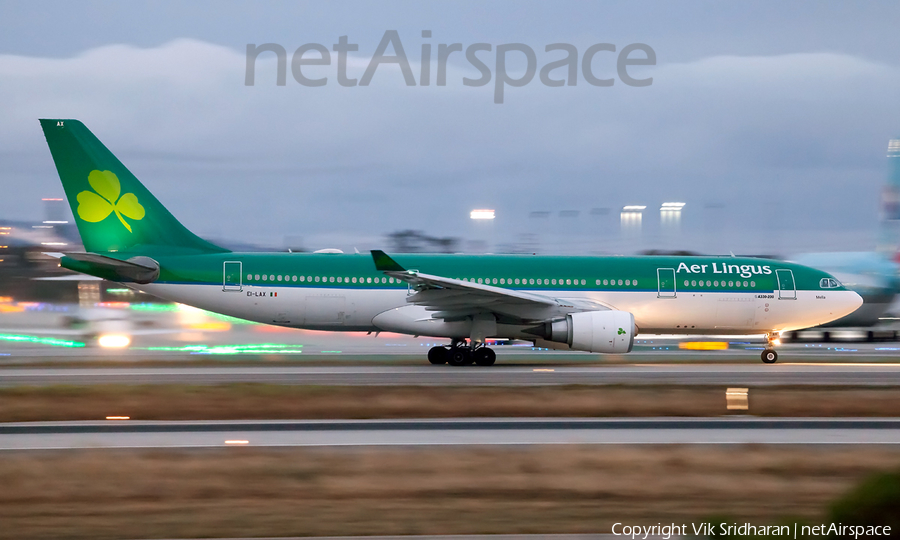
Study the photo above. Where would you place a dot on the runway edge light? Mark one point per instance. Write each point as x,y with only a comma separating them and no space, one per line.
736,399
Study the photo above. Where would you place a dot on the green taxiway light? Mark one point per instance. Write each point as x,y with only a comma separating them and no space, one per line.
149,306
154,307
53,342
252,348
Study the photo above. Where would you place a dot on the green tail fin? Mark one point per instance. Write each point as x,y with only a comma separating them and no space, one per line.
113,210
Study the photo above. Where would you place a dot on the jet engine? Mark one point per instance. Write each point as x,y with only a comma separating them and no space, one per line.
596,331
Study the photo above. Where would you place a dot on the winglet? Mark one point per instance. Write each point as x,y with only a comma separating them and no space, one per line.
384,263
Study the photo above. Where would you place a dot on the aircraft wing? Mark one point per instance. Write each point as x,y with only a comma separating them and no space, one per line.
451,299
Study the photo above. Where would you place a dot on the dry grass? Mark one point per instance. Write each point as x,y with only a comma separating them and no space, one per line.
261,401
249,492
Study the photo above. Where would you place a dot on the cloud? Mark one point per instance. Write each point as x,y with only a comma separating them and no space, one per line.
791,144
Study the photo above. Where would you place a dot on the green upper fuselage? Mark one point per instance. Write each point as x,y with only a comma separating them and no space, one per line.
532,272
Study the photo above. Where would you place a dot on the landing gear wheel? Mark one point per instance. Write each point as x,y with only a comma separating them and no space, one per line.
484,357
769,356
459,356
438,355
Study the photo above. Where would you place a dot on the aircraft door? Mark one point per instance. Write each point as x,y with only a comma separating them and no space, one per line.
787,290
666,282
231,276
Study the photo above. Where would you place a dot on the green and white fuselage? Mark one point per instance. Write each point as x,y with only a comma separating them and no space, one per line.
586,303
671,295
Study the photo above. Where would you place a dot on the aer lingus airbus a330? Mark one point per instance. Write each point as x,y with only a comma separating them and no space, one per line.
595,304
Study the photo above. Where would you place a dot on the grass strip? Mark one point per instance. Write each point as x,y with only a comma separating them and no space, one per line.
246,492
272,401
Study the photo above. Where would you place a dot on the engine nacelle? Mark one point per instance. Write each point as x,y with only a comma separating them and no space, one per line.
596,331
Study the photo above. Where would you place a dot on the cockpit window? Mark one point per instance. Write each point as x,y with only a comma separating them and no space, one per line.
829,283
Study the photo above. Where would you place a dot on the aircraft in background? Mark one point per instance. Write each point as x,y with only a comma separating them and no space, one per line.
875,275
594,304
107,324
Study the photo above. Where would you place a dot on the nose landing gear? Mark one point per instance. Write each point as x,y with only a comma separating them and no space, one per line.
769,356
459,353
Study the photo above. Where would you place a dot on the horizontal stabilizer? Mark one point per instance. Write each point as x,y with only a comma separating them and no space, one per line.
134,270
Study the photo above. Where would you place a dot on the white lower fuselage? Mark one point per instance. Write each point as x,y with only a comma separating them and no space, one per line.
338,309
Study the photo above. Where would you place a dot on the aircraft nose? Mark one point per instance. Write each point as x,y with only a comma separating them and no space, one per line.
848,302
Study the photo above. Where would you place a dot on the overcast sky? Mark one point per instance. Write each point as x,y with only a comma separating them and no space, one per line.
770,121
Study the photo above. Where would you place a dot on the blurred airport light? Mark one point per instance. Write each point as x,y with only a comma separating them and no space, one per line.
631,220
55,211
118,290
703,345
670,217
50,341
114,341
88,293
482,231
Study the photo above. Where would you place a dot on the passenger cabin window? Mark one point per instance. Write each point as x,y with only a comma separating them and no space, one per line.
829,283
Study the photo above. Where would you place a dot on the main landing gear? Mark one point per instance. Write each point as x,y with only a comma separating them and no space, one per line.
459,353
769,356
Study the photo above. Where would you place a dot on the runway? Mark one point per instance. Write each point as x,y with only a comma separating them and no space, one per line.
830,374
525,431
